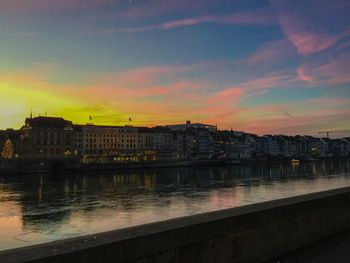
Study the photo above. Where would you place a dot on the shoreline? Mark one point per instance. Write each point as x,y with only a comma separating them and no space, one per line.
21,166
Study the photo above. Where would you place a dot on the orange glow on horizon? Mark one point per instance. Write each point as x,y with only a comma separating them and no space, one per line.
112,104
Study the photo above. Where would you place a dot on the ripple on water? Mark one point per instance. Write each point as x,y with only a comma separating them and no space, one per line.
41,209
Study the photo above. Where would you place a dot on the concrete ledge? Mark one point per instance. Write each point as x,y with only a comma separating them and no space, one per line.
252,233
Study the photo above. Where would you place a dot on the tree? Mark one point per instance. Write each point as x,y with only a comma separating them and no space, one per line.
7,151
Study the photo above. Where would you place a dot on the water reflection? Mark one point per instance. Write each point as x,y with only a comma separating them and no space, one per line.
36,209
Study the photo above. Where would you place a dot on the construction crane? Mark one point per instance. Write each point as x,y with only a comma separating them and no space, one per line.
329,132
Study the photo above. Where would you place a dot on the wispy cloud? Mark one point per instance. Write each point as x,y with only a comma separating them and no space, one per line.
277,80
262,17
312,32
330,70
229,95
273,51
186,22
309,116
154,75
110,101
228,99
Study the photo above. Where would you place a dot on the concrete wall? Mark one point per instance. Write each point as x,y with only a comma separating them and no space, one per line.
252,233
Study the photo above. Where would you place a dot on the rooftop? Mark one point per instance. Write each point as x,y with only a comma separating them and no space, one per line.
47,122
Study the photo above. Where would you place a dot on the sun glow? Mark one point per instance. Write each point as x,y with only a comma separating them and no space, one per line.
17,102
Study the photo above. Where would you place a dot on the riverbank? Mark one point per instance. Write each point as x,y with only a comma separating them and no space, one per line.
56,166
67,166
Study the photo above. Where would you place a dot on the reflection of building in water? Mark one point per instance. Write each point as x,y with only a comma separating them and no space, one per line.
295,165
47,203
150,181
42,202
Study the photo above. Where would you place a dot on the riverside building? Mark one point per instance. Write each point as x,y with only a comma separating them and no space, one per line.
47,137
51,137
57,138
114,143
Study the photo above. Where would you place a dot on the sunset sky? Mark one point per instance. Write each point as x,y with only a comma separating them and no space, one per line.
278,66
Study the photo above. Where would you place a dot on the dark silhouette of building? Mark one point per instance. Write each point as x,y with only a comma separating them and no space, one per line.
47,137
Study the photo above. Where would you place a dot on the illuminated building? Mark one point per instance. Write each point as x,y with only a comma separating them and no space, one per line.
47,137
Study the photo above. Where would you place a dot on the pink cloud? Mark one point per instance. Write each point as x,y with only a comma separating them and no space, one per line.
308,124
143,89
257,17
277,50
186,22
141,93
229,95
301,71
276,80
165,87
176,89
153,75
306,117
228,98
223,105
333,71
137,77
308,43
311,32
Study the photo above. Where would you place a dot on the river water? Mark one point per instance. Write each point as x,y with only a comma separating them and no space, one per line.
41,208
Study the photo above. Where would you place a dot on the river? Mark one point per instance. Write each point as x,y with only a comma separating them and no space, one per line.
40,208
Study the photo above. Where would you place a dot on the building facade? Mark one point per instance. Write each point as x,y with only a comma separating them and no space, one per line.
47,137
51,137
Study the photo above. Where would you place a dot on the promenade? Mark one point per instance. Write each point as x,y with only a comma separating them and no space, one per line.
333,249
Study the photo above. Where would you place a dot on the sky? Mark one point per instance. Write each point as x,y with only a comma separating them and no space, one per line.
265,67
